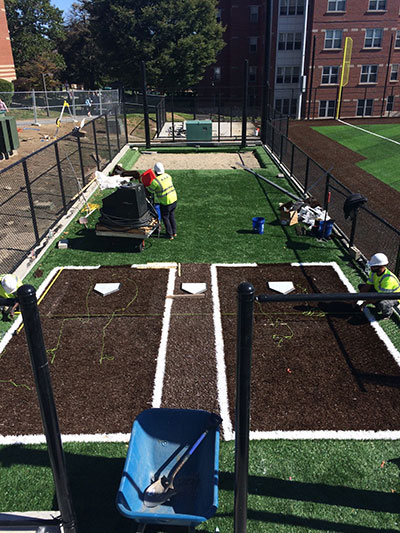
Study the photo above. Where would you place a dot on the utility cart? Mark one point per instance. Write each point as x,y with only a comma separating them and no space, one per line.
139,235
159,440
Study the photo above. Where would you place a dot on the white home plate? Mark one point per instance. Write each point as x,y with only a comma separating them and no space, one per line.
284,287
194,288
107,288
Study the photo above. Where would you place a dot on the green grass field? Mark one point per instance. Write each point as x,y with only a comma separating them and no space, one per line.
294,485
381,156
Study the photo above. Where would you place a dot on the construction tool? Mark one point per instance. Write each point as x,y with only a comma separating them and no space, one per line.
163,488
58,121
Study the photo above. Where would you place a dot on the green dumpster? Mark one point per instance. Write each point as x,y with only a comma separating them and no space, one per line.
5,145
12,132
198,130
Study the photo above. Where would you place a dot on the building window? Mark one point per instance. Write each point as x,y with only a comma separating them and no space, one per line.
369,73
394,73
373,38
377,5
286,106
336,5
292,7
254,14
327,108
390,103
217,74
333,39
252,74
219,15
330,75
287,75
253,44
397,41
364,107
289,41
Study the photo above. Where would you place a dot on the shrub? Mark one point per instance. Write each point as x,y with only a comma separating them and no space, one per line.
6,91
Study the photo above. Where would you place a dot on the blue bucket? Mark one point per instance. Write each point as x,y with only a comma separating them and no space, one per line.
258,224
158,209
325,228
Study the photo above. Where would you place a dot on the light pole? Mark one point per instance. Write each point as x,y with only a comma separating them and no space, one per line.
45,93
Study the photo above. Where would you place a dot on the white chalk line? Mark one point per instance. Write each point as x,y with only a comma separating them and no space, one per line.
369,132
222,387
9,440
162,351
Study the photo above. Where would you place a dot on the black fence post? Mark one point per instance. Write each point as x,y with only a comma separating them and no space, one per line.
219,116
108,138
81,161
96,148
292,160
246,293
245,99
353,228
306,174
124,114
40,366
326,195
116,128
172,117
145,106
30,200
60,177
397,266
281,149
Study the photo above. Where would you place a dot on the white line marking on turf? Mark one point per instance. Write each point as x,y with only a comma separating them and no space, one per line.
374,323
222,387
162,351
369,132
325,434
9,440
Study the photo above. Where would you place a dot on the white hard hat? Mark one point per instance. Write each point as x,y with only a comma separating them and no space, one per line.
378,260
9,283
159,168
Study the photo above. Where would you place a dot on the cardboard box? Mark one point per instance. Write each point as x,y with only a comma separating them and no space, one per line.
288,216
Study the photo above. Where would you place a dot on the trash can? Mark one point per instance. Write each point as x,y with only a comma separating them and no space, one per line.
12,132
198,130
258,224
5,145
325,228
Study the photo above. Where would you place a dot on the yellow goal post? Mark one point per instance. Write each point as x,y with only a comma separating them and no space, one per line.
344,78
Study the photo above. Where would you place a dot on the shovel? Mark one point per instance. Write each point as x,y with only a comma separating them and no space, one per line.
163,488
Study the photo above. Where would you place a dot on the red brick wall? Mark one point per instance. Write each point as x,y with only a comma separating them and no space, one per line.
7,69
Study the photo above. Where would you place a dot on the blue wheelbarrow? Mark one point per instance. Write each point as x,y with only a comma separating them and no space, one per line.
162,483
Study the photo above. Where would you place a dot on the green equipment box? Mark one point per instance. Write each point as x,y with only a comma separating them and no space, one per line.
198,130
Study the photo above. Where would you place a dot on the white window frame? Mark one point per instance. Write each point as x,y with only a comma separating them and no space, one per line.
327,108
377,5
253,45
291,7
369,74
373,36
365,104
328,73
254,14
336,5
333,37
397,39
289,75
394,73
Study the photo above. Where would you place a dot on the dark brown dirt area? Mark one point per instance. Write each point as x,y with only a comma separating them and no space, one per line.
382,199
316,367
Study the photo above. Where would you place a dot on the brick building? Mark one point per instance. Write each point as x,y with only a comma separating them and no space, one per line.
7,69
306,48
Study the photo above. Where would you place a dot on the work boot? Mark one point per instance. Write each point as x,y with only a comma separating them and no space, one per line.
5,312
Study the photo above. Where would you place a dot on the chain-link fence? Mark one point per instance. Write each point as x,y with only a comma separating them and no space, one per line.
367,231
33,106
37,190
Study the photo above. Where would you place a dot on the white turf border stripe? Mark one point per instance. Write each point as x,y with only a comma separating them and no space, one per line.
222,387
162,351
374,323
41,439
325,435
369,132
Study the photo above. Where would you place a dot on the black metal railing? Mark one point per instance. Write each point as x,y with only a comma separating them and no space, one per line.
38,190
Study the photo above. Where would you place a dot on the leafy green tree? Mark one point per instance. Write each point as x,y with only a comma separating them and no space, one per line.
177,39
31,73
35,27
6,87
82,56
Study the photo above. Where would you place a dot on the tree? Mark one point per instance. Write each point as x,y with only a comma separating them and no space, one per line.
83,57
6,91
177,39
35,28
30,74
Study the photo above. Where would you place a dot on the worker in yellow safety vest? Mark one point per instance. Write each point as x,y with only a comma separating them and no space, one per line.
383,281
165,195
9,283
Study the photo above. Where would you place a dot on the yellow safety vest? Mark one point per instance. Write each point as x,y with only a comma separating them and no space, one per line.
386,282
3,293
163,189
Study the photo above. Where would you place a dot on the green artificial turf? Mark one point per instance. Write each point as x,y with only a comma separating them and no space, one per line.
294,485
381,156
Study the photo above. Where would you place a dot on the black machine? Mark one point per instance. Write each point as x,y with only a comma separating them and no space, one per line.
127,207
